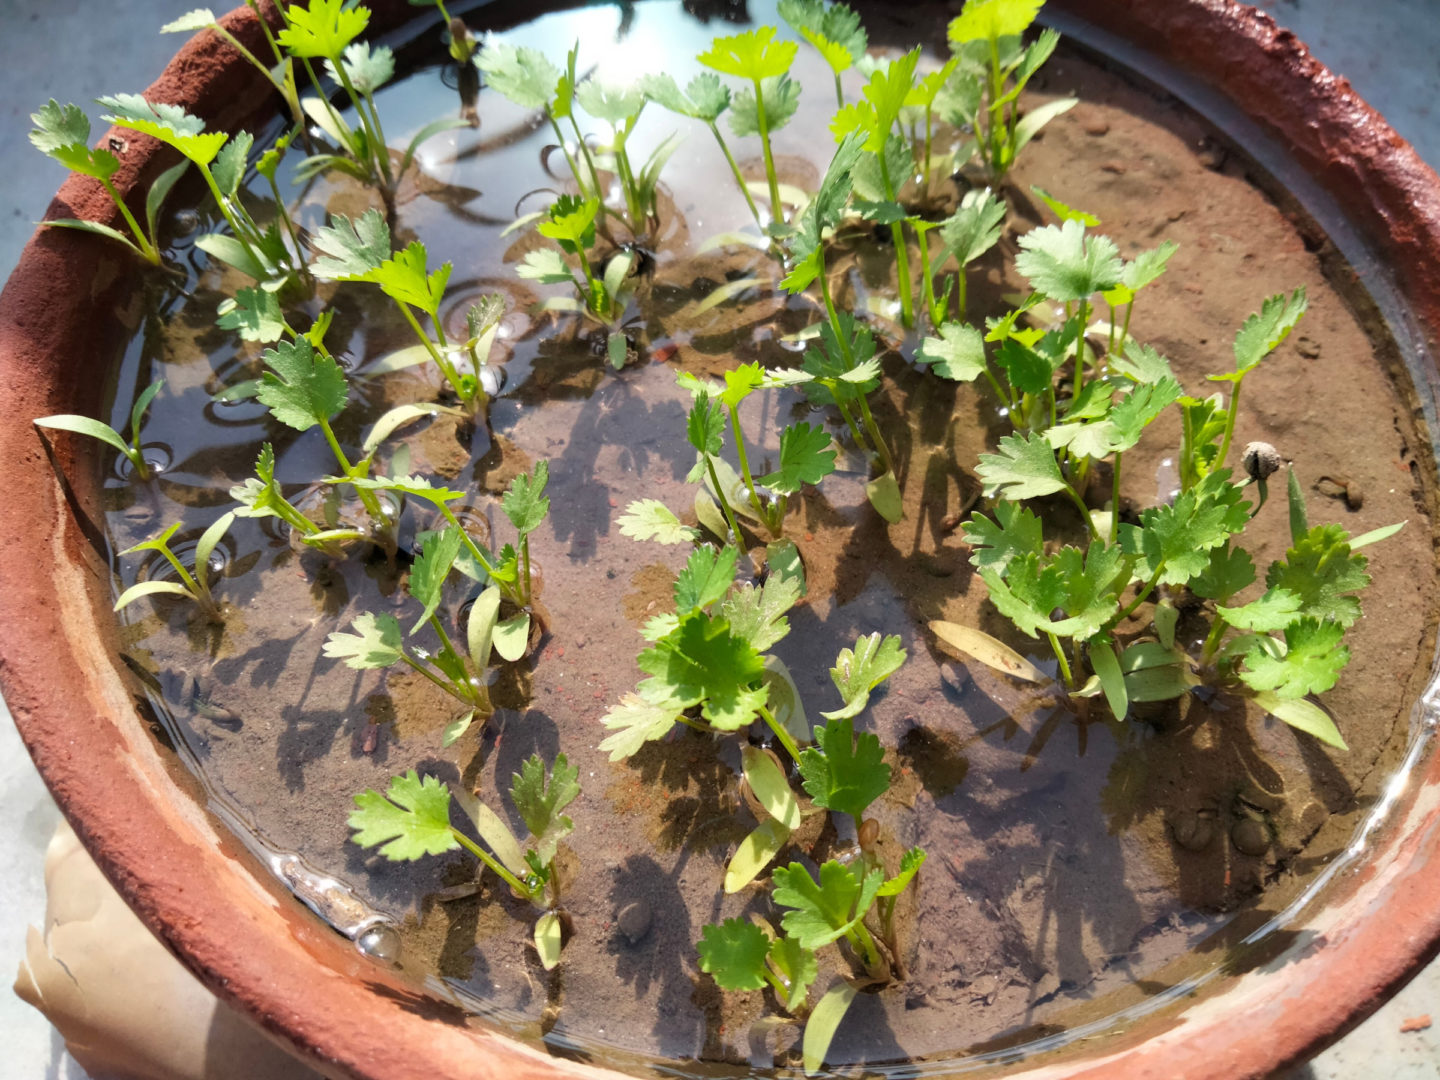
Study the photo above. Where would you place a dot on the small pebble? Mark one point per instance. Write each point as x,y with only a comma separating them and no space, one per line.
1191,831
634,920
1096,126
1308,348
1116,167
1250,837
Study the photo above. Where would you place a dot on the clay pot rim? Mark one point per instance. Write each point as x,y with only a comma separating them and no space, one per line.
231,925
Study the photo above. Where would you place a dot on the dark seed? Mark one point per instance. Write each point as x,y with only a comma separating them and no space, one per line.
1191,831
634,920
1250,837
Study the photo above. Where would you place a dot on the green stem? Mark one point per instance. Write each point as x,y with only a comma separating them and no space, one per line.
525,561
995,385
151,253
874,431
1084,512
230,40
627,182
763,124
745,462
415,665
565,149
448,647
1060,656
960,302
589,164
1212,640
1080,347
1115,497
927,285
786,739
735,169
861,936
221,202
475,551
902,253
371,503
379,152
839,93
1125,330
446,368
724,502
997,107
1139,599
292,517
1229,427
929,128
288,222
490,861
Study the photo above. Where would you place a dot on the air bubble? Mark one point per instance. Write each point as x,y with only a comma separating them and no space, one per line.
380,942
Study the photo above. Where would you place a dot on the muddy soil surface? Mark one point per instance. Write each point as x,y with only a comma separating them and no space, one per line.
1076,865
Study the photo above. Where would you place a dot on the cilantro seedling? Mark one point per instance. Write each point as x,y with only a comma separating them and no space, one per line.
770,100
62,132
570,222
885,156
260,496
412,819
98,429
705,665
620,108
196,585
221,161
704,98
531,81
994,68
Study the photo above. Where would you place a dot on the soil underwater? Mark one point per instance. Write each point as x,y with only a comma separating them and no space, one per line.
1077,865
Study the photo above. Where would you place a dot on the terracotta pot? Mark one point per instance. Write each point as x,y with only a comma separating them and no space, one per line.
66,311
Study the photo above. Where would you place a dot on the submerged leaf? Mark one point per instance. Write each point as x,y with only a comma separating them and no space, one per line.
410,820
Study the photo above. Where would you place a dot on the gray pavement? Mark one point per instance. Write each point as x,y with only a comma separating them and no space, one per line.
77,51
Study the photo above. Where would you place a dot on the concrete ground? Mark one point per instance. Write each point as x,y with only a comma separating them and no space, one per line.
77,51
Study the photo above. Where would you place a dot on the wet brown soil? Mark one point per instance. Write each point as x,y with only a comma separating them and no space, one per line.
1076,865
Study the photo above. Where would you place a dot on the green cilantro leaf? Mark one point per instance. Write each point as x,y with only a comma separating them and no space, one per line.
171,124
858,671
1092,588
255,313
1015,532
1230,570
348,249
974,228
834,29
781,96
806,457
431,568
707,577
734,953
910,864
636,721
375,643
1138,409
957,354
195,19
650,519
754,54
63,133
988,20
302,387
1027,593
368,68
1141,363
403,277
1275,610
1064,211
1266,329
1312,662
703,663
823,911
741,382
843,772
547,266
1024,468
615,103
1323,572
526,503
1147,266
322,30
1174,541
757,612
1062,263
411,819
540,799
704,98
522,74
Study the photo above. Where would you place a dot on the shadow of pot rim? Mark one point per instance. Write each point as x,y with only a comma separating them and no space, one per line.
141,815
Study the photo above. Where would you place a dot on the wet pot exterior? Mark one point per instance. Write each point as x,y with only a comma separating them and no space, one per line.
141,815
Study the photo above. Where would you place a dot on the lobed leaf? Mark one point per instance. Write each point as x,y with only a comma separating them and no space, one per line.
302,387
375,643
806,457
324,29
843,772
650,519
703,663
636,721
734,954
706,578
754,54
521,74
540,798
1065,265
410,820
1024,468
857,672
1311,664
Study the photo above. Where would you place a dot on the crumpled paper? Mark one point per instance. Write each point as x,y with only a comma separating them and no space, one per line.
126,1008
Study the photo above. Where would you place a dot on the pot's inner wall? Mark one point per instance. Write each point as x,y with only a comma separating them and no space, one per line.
1077,866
